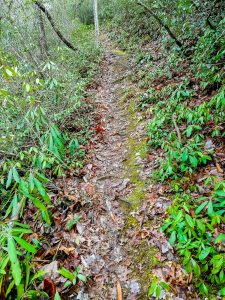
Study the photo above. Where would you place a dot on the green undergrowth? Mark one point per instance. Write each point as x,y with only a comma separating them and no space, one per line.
186,129
45,129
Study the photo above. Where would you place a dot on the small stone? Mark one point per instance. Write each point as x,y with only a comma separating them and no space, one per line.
165,247
209,145
134,287
170,256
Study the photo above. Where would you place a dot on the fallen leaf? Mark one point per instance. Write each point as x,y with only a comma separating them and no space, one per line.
51,269
219,170
49,287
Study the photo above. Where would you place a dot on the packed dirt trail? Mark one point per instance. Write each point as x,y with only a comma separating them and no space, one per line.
118,232
107,182
110,183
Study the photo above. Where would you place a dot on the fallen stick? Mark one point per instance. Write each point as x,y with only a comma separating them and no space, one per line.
177,128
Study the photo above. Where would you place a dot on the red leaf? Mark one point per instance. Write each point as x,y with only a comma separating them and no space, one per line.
99,129
49,287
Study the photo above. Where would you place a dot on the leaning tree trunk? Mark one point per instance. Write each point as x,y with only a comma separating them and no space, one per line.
42,37
55,28
165,26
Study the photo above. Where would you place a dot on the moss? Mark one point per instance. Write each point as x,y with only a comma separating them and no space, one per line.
119,52
143,256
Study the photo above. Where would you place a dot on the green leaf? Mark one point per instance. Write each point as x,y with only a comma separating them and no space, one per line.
14,206
39,205
201,207
9,72
220,193
222,292
165,226
158,291
39,274
24,244
165,286
153,287
189,220
10,287
43,209
184,156
203,289
66,273
37,293
196,268
67,283
16,175
9,179
42,190
27,87
172,238
16,270
201,226
57,296
31,182
210,208
220,238
204,253
193,161
189,131
82,277
71,223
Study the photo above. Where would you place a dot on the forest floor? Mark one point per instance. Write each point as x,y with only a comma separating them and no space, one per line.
117,239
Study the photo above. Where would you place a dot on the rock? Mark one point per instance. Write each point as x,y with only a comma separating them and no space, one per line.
170,256
209,145
134,287
51,270
82,296
165,247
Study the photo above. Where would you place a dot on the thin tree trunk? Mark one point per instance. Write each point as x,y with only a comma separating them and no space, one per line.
165,26
57,31
95,8
42,38
208,22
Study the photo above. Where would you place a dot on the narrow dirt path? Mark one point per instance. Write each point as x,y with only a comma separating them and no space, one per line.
118,238
106,185
107,259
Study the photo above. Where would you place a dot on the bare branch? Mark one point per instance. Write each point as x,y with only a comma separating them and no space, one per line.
165,26
51,21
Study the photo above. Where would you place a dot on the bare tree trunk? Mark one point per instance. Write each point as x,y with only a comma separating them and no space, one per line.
42,39
57,31
95,8
165,26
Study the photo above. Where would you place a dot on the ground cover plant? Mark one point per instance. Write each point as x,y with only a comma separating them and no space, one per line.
187,126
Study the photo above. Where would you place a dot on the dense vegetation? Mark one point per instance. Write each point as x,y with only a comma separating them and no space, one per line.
178,48
180,67
44,128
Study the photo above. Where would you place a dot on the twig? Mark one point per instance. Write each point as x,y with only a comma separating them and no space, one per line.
7,154
177,128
